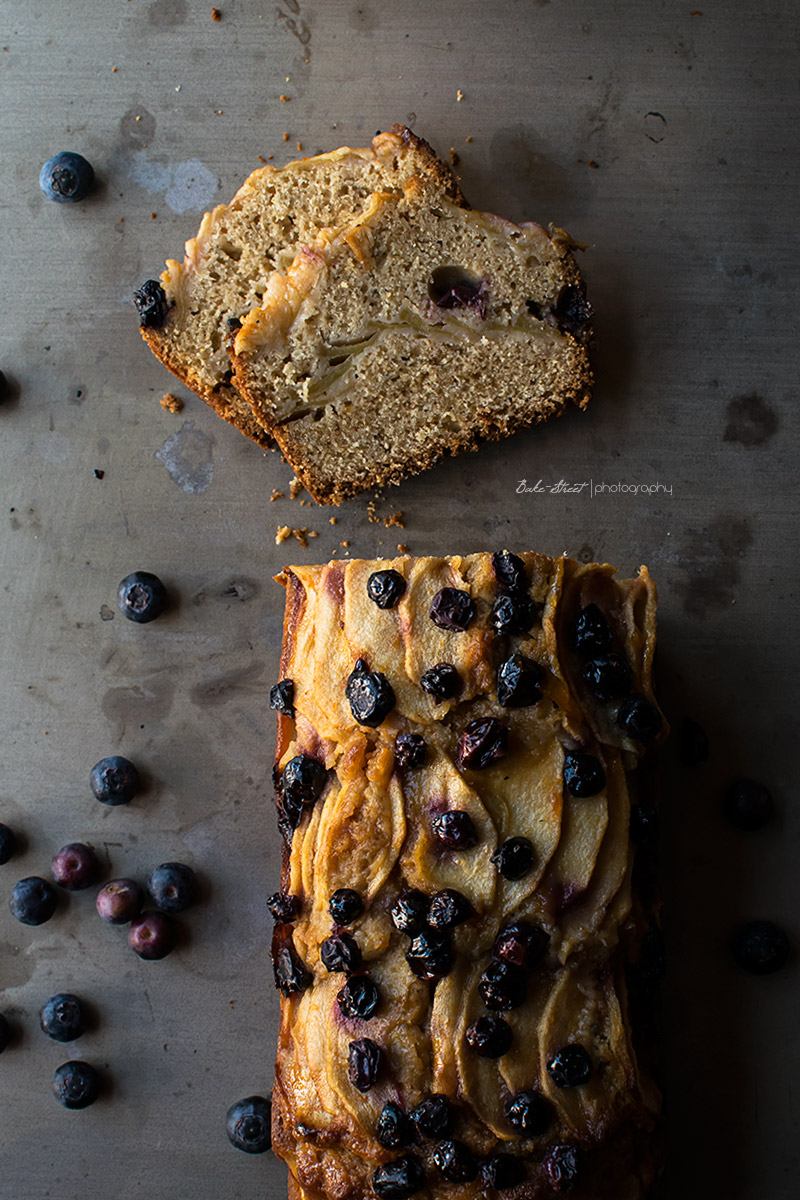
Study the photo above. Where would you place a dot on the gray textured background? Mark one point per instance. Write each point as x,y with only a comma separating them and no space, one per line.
666,138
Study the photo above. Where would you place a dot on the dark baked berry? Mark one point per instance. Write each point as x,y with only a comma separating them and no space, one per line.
529,1113
443,681
515,857
364,1061
748,805
430,955
454,287
490,1037
562,1168
8,843
644,824
63,1017
114,780
455,1161
448,908
281,697
385,588
288,968
152,935
76,1084
512,614
33,900
151,302
572,310
173,887
6,1033
394,1128
433,1118
141,597
503,986
452,609
761,947
521,943
509,571
592,633
693,743
454,828
570,1067
67,177
302,781
482,743
341,952
583,774
345,905
283,906
409,912
410,750
518,682
248,1124
370,695
358,998
608,677
639,718
75,866
502,1171
399,1179
119,901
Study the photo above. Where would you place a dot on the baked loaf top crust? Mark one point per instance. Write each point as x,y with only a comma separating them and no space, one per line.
526,684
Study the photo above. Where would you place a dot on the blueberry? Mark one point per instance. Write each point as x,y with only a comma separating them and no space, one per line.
583,774
570,1067
608,677
482,743
430,955
114,780
6,1033
433,1118
509,571
442,681
75,866
562,1167
452,609
358,998
66,177
529,1113
502,1171
409,912
345,905
572,310
33,900
152,935
591,635
453,287
410,750
151,302
141,597
281,697
340,952
63,1018
248,1124
490,1037
644,824
521,943
385,588
748,805
394,1128
448,908
512,614
370,695
518,682
289,970
639,718
454,828
399,1179
693,743
8,843
173,887
302,781
283,907
761,947
119,901
76,1084
503,986
515,857
455,1161
364,1062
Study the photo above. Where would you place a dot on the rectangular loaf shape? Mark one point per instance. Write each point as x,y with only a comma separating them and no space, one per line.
509,856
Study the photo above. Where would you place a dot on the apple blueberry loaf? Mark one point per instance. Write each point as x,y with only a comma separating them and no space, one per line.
187,318
465,942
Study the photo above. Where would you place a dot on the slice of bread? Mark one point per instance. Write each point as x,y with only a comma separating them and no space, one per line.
188,317
417,331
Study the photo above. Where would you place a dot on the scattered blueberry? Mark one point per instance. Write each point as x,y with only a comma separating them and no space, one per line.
399,1179
141,597
340,952
512,614
410,750
409,912
75,866
442,681
66,177
430,955
761,947
394,1128
151,302
76,1084
281,697
302,780
562,1167
490,1037
570,1067
482,743
173,887
693,743
518,682
63,1018
6,1033
455,1161
455,829
503,986
345,905
289,970
515,857
529,1113
358,998
114,780
119,901
433,1118
583,774
8,843
33,900
608,677
364,1062
452,609
639,718
152,935
248,1124
448,908
283,906
592,633
502,1171
370,695
748,805
521,943
509,571
385,588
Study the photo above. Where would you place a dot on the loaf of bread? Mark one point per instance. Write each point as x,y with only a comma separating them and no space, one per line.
415,332
187,318
466,934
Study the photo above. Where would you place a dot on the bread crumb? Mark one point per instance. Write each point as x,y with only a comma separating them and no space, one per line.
395,519
592,163
459,95
286,137
332,521
216,15
218,112
302,535
300,147
345,544
295,488
153,216
402,548
276,495
113,69
171,403
285,99
454,157
469,139
260,158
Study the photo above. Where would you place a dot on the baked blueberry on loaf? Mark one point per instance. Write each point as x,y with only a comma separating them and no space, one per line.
187,318
465,939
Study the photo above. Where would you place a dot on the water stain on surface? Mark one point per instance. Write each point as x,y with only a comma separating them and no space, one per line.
232,589
187,456
715,555
137,128
213,692
139,703
166,14
751,421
